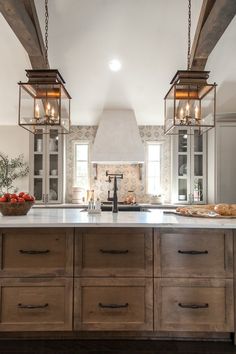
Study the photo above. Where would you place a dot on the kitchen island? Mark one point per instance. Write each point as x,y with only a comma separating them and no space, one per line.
131,274
72,217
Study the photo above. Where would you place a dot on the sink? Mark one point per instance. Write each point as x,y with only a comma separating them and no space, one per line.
122,207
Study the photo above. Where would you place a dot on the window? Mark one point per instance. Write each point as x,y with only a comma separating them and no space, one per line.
153,168
81,165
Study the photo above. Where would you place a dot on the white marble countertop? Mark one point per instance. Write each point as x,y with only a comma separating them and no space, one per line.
59,217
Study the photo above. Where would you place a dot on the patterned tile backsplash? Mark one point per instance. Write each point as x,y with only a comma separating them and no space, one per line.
131,179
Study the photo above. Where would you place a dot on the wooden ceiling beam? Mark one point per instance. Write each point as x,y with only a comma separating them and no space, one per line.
215,16
22,17
195,63
37,62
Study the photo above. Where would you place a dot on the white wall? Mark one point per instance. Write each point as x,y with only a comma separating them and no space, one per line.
226,162
14,141
221,160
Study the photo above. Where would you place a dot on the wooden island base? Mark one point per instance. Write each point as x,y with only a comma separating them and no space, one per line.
104,282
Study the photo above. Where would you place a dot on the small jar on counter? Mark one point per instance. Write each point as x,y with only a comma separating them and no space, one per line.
130,199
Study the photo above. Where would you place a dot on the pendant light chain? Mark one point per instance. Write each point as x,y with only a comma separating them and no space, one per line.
46,31
189,32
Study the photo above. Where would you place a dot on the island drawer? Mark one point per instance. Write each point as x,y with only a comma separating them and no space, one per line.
36,252
193,305
114,304
114,252
195,253
36,305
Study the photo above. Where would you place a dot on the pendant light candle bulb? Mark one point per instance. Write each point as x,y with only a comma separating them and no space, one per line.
181,114
196,112
187,110
37,111
52,112
48,109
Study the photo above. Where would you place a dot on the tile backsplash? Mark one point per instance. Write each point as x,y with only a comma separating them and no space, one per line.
131,173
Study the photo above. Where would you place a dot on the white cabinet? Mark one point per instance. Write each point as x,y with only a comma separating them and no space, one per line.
222,160
46,167
188,167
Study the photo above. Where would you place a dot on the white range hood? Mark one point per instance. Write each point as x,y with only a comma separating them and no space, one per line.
118,140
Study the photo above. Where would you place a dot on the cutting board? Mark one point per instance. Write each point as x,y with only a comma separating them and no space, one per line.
199,216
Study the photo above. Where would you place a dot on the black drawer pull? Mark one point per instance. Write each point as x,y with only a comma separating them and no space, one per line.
30,307
193,306
114,251
113,306
34,251
193,252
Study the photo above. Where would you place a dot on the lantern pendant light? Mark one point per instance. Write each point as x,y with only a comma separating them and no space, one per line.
190,102
44,101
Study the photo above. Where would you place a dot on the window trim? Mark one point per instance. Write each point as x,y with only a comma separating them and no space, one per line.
81,142
152,142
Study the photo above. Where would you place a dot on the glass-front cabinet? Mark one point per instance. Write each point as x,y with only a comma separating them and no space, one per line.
46,180
189,168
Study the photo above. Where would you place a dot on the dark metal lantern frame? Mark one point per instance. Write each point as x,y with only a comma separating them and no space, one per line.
190,103
44,102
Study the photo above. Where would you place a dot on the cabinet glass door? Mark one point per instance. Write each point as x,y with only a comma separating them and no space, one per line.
189,167
38,167
46,166
53,166
182,166
198,165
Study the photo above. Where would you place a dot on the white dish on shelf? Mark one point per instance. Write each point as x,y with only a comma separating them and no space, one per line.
182,197
52,194
183,170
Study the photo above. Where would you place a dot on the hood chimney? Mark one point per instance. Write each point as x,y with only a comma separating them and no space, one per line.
118,140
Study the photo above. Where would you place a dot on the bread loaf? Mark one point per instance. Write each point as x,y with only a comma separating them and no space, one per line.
233,209
223,209
195,210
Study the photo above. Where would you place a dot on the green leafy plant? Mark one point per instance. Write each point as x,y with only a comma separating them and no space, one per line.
10,170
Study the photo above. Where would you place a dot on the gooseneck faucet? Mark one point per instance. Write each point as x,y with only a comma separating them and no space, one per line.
114,199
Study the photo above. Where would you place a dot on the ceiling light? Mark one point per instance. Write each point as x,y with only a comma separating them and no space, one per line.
115,65
43,100
190,102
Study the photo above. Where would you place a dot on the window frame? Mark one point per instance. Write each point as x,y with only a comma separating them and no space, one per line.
81,142
148,143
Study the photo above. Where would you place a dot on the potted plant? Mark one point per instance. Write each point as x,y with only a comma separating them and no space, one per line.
10,170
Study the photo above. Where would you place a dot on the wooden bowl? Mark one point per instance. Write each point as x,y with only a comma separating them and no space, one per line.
15,209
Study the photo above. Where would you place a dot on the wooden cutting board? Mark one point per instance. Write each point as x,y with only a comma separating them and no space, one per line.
199,216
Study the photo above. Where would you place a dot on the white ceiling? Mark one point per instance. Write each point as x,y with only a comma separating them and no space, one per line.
148,36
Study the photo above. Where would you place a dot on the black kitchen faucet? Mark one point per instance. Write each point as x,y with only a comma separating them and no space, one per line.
114,198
